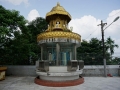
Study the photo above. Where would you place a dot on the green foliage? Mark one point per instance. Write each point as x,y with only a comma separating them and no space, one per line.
18,44
36,27
115,61
110,44
14,38
92,52
94,45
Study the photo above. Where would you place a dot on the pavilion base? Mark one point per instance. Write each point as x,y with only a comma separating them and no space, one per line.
59,83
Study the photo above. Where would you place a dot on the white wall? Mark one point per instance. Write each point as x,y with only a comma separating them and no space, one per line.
98,70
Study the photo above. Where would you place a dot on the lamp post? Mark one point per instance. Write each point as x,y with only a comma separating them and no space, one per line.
102,31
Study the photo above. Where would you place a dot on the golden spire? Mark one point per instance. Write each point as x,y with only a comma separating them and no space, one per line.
58,4
58,10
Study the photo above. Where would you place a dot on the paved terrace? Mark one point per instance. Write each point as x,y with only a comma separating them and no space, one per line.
91,83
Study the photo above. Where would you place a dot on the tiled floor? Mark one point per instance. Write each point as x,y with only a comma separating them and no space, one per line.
91,83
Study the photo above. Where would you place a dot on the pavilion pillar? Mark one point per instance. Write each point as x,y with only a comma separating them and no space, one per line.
74,54
41,52
57,54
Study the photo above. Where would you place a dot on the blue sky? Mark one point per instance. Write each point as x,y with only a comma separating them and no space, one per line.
77,8
86,15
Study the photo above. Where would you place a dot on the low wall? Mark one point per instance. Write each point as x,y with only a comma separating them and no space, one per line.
89,70
21,70
98,70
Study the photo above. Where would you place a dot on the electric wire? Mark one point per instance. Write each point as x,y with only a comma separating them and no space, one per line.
91,33
106,27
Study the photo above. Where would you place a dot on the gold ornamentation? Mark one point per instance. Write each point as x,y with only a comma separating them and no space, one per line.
58,19
58,10
58,34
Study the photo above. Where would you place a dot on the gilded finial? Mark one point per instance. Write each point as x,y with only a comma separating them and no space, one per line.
58,4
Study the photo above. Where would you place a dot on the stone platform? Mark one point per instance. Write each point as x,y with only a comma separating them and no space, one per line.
59,83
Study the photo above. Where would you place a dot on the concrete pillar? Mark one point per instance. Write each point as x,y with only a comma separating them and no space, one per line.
74,53
57,54
37,64
71,57
45,54
41,52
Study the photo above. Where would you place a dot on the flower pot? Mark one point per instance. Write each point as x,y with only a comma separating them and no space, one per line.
2,72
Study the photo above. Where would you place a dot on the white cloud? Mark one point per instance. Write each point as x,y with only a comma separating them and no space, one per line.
114,29
18,2
33,14
87,27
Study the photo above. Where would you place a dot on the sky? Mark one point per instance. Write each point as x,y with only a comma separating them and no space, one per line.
86,15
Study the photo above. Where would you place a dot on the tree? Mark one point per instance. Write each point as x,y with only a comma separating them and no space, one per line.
13,37
91,46
96,45
84,47
36,27
90,51
110,44
10,21
18,41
